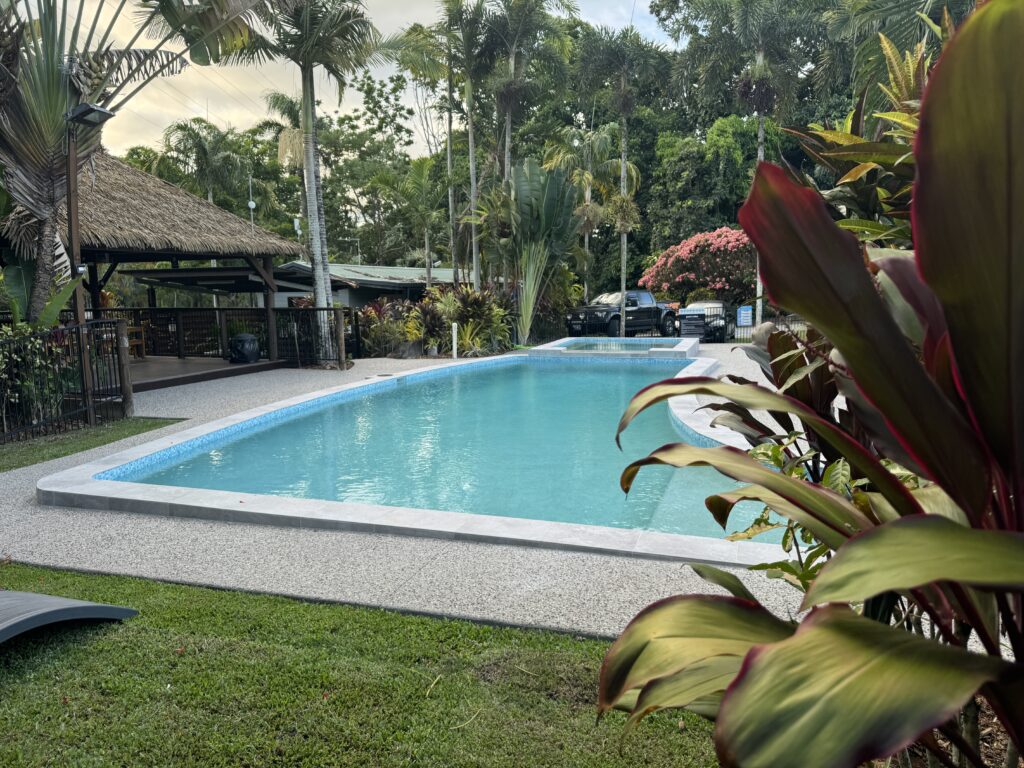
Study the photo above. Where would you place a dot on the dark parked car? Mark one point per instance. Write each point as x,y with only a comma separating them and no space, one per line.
603,315
709,321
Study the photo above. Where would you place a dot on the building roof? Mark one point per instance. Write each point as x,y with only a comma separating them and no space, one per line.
372,276
124,209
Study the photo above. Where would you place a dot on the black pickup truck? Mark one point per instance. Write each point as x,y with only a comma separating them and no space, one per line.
603,315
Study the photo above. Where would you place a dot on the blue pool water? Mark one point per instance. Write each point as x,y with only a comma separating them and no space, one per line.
524,438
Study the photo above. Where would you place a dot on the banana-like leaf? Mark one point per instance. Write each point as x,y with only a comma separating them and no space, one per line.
832,511
915,551
51,312
811,267
762,399
720,506
678,632
894,157
968,227
858,172
842,691
724,579
18,287
681,689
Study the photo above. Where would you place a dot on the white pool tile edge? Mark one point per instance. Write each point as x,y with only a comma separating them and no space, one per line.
79,487
685,349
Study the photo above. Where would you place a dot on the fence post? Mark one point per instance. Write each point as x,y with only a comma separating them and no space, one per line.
339,328
271,315
455,341
85,361
124,371
179,332
222,323
357,338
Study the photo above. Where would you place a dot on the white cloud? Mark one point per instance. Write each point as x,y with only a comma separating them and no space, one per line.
233,96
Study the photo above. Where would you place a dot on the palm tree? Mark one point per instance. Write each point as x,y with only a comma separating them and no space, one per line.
624,57
586,155
428,55
337,37
206,154
544,224
418,196
906,23
472,55
49,63
525,28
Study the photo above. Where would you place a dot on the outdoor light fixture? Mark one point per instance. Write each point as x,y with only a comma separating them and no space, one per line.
89,115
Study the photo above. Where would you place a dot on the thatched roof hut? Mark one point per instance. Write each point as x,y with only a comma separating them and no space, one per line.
123,210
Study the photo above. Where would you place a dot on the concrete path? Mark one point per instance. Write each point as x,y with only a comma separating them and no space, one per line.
571,591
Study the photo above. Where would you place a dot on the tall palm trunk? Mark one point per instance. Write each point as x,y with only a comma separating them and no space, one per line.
310,161
623,189
473,191
43,281
759,288
325,264
587,197
508,120
451,168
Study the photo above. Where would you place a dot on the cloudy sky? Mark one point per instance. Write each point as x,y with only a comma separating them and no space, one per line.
233,96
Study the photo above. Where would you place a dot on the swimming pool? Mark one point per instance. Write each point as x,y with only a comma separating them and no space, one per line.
517,448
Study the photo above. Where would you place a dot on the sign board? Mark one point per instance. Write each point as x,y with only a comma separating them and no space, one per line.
744,317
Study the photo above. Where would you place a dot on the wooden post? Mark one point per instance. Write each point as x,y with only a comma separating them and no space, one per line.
94,289
124,370
75,257
222,322
339,329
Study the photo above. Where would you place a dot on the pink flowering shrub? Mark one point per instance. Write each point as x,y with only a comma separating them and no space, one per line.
723,261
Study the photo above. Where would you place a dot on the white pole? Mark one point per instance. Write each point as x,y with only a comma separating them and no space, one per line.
455,341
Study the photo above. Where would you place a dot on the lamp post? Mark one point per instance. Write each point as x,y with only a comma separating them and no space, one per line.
90,116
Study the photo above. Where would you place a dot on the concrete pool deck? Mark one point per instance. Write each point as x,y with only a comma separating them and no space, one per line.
573,591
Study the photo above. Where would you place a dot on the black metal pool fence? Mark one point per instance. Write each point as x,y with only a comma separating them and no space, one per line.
61,379
304,336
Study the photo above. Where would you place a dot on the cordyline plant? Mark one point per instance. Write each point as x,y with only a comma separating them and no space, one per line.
917,608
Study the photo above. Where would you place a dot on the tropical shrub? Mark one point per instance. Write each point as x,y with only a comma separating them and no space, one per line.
723,261
479,313
30,386
382,326
916,510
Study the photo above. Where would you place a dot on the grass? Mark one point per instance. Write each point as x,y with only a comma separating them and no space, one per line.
212,678
39,449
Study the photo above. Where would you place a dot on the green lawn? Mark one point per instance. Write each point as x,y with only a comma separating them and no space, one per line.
21,454
210,678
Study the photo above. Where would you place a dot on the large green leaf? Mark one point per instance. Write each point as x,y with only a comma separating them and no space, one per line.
968,227
51,312
721,505
812,267
762,399
681,689
18,287
842,691
724,579
677,632
833,511
915,551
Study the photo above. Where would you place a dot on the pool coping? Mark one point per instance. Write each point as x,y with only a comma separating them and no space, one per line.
79,487
685,349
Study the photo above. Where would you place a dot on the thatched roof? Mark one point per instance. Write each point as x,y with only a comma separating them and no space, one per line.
125,209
